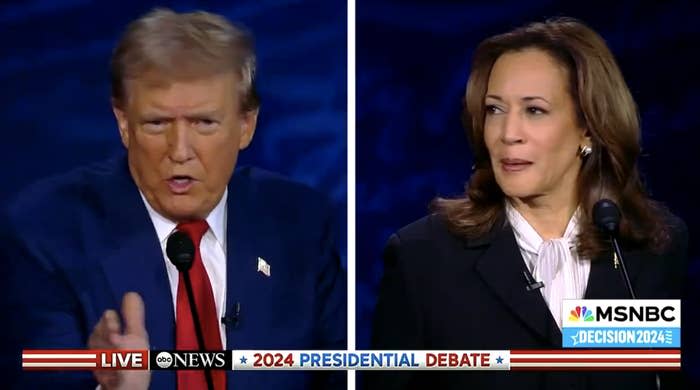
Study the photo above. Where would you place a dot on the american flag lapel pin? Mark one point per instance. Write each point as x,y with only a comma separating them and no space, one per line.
263,267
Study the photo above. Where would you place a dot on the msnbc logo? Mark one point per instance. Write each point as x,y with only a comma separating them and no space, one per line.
581,313
621,323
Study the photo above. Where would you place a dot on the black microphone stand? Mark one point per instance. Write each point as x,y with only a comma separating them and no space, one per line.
607,216
623,267
180,251
197,325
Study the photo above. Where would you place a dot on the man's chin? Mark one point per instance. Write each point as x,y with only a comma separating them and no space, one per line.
181,213
181,208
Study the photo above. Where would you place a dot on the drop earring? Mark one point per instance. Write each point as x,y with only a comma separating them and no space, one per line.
584,151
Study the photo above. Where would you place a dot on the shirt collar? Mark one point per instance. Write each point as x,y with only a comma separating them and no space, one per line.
527,237
216,220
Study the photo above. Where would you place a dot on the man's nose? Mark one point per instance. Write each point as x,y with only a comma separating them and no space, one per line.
180,143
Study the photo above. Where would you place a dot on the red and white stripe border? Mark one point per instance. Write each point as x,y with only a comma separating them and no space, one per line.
596,359
516,360
59,359
67,359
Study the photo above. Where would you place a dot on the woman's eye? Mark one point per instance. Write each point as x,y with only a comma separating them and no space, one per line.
536,110
493,109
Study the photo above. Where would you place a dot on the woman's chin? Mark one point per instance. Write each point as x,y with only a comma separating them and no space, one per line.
518,190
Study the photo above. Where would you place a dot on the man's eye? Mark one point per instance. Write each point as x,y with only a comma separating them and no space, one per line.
155,125
205,123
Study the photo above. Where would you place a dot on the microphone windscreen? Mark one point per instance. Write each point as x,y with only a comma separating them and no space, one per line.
606,216
180,250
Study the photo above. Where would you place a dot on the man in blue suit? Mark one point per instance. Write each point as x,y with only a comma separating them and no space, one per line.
79,246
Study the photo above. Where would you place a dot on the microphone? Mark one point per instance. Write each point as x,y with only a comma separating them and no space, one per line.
606,216
232,319
180,250
532,285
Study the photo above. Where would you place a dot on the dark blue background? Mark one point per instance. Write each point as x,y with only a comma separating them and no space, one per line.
413,61
55,106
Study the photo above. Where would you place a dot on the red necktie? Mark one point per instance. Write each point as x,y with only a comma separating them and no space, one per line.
186,338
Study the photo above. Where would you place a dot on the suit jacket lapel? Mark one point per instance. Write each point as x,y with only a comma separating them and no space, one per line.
501,267
133,260
241,262
242,239
606,282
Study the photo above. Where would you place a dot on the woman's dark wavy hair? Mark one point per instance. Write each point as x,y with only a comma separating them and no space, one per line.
608,112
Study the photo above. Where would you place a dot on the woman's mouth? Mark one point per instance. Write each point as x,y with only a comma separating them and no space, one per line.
514,164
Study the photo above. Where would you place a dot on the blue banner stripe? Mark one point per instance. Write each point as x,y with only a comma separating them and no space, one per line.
617,337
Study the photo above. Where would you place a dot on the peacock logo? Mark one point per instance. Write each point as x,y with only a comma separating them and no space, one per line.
581,314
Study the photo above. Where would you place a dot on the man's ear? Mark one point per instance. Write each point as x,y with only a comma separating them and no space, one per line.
122,122
249,121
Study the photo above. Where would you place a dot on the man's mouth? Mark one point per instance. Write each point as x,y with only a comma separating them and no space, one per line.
180,184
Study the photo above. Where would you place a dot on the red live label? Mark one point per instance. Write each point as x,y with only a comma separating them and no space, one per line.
135,360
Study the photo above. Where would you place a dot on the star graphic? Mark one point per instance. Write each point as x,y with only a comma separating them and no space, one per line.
244,360
575,340
499,360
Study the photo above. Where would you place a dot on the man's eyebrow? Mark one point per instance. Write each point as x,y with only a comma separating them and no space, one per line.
204,114
152,116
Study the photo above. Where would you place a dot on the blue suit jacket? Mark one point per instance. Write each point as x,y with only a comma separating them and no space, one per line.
74,244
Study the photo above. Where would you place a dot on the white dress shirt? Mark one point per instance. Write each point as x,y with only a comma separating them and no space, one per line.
554,262
212,249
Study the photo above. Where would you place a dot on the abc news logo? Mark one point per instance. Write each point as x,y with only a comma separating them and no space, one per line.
191,360
632,313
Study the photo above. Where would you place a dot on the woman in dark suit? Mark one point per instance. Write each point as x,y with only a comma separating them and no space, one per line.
554,129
